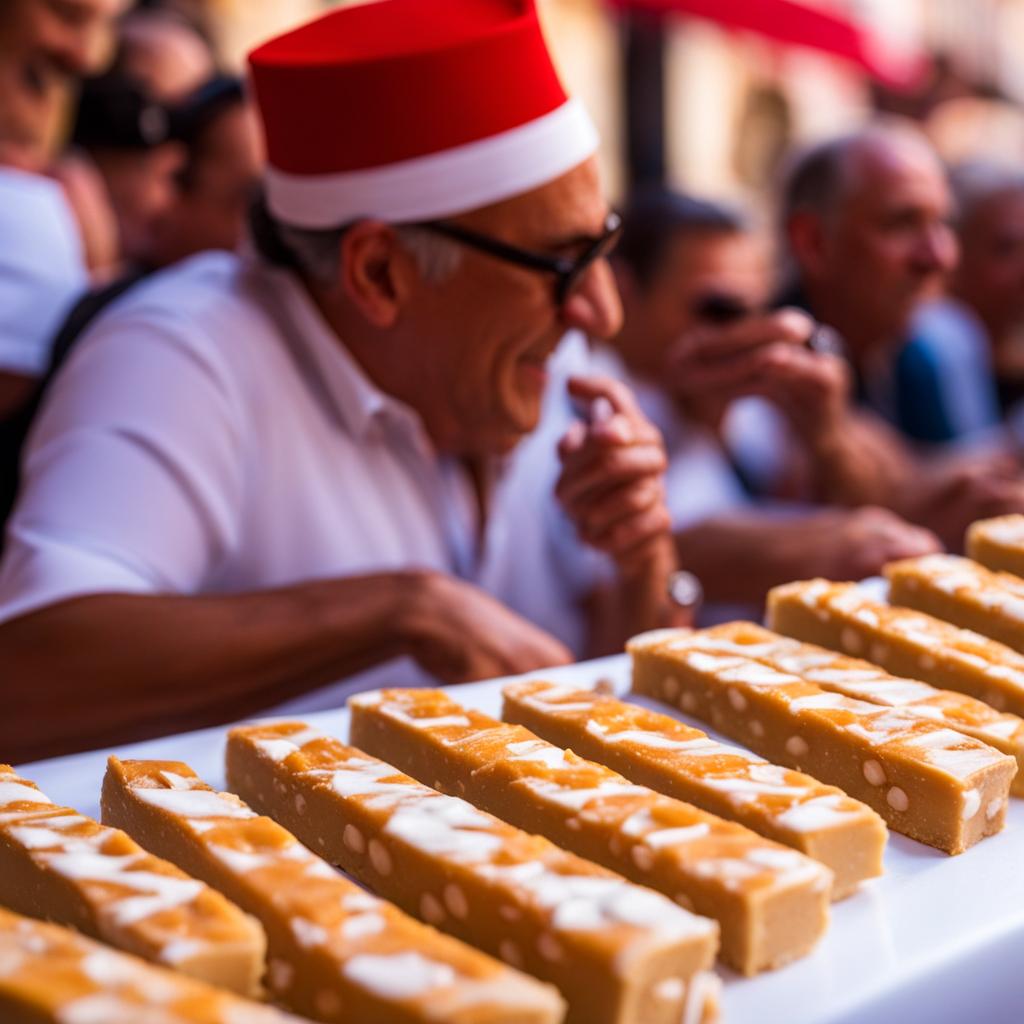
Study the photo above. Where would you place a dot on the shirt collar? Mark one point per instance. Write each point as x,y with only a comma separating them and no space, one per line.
357,402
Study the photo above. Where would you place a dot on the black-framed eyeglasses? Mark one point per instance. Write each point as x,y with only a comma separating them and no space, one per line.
568,271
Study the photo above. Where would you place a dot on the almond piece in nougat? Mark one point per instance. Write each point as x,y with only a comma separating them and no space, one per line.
928,782
53,975
336,953
861,680
770,901
962,592
904,642
678,760
58,864
998,544
620,954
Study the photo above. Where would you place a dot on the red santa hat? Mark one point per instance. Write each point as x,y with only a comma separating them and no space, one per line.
409,110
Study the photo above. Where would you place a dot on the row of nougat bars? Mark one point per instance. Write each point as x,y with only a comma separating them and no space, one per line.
770,901
998,544
60,865
905,642
863,680
49,973
926,780
617,951
336,954
676,759
963,592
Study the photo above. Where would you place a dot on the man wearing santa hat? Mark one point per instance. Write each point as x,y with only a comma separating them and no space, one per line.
259,476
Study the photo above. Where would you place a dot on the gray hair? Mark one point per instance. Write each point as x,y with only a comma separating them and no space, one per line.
317,253
818,178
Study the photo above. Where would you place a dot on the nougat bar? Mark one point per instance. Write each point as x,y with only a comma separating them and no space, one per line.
998,544
962,592
619,953
928,782
336,952
865,681
770,901
58,864
902,641
655,750
54,975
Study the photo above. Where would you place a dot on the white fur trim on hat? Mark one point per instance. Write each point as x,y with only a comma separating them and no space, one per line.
440,184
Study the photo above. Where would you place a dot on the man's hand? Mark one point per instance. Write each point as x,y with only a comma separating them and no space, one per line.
851,545
458,633
958,495
763,355
612,482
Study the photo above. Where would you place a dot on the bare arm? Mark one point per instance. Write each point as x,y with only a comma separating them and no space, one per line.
860,461
111,668
739,557
636,602
612,488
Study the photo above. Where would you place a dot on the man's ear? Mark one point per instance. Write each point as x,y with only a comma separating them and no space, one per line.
805,234
376,271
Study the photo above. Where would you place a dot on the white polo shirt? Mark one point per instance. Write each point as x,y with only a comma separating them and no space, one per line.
211,435
42,271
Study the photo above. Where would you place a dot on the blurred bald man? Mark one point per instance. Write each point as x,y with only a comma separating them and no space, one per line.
866,224
163,53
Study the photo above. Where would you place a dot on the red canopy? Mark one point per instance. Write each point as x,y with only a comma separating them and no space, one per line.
795,23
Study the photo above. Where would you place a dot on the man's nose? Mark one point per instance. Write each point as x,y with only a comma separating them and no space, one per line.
594,306
937,249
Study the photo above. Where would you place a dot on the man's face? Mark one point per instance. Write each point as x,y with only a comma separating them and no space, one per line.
697,268
44,46
889,245
142,190
485,334
991,272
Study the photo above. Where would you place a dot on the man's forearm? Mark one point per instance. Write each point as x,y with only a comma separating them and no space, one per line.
108,668
738,558
637,601
861,462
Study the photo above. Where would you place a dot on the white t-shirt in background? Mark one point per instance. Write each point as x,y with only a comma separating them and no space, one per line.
42,271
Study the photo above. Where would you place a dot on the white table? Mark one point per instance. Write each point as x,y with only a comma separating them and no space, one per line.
937,940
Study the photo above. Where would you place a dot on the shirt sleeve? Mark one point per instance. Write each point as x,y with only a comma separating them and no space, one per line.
41,270
132,475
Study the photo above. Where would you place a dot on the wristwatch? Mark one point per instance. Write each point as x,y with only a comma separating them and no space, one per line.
685,591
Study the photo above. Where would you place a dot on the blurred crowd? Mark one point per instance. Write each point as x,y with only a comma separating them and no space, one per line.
749,403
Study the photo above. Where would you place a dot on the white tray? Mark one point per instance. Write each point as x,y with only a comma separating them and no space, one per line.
937,940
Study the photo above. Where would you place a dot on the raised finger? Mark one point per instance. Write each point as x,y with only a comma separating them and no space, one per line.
618,465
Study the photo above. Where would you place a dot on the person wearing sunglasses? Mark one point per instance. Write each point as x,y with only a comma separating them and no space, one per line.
367,452
690,272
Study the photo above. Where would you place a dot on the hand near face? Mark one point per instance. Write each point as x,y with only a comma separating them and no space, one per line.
458,633
762,355
612,482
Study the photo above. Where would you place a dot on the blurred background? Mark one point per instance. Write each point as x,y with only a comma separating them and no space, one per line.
707,94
